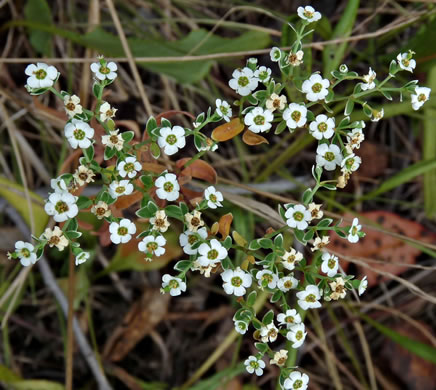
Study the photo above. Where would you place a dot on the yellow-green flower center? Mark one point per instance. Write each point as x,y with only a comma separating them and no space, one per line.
331,263
104,70
259,120
168,186
310,298
79,134
122,231
61,207
152,246
243,81
171,139
422,97
40,74
299,335
322,127
173,283
317,87
298,384
120,189
329,156
25,252
236,281
296,116
298,216
212,254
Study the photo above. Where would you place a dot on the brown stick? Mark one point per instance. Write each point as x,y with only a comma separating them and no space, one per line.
70,338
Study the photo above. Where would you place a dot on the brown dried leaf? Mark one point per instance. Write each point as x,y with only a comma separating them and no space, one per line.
224,224
253,139
199,169
228,130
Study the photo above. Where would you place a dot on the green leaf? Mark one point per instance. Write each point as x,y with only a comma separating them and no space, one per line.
268,317
299,235
174,211
183,265
276,296
261,347
127,136
147,180
89,153
83,202
278,241
109,152
155,150
280,128
97,89
307,196
265,243
39,11
251,298
71,225
349,107
325,222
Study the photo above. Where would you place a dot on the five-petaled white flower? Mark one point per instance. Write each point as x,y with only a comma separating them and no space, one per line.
83,175
56,238
25,252
263,74
296,59
309,297
41,75
172,139
82,257
315,88
295,115
236,281
160,221
363,285
121,232
167,187
291,317
259,120
328,156
296,334
308,13
253,364
79,134
296,381
241,327
269,333
369,80
353,233
189,238
280,358
119,188
213,197
320,243
330,264
286,283
223,109
315,210
275,102
100,210
355,138
175,284
351,163
406,62
211,252
113,140
106,111
298,217
62,206
193,220
421,95
244,81
153,245
72,105
103,71
377,115
289,259
129,167
267,278
338,289
275,54
322,127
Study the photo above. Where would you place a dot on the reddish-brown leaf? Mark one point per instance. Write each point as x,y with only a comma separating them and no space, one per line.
253,139
228,130
171,113
123,202
224,224
199,169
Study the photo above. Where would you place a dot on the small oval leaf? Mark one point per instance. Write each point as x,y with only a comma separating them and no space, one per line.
253,139
228,130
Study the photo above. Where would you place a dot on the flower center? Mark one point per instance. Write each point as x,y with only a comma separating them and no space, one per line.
298,216
104,70
322,127
331,263
289,319
171,139
159,222
243,81
54,240
317,87
267,277
113,139
263,75
354,230
152,246
100,211
236,281
224,110
173,283
299,335
168,186
129,167
109,113
61,207
212,254
122,231
310,298
259,120
308,14
195,221
83,176
120,189
272,333
339,288
288,284
212,198
192,239
291,258
70,106
422,97
276,103
296,116
405,62
254,364
79,134
40,74
25,252
298,384
329,156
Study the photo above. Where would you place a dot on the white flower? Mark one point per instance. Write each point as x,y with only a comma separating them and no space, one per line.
56,238
72,105
207,145
330,264
269,333
363,285
421,95
79,134
267,278
153,245
106,111
280,358
297,335
263,74
275,54
369,80
296,381
328,156
121,232
175,284
167,187
320,243
129,167
291,317
296,59
290,258
315,88
241,327
194,220
355,138
353,234
160,221
62,206
119,188
100,210
82,257
253,364
223,109
309,297
286,283
213,197
189,238
275,102
322,127
236,282
308,13
406,62
377,115
295,115
259,120
351,163
315,211
83,175
211,253
113,140
172,139
298,217
338,289
41,75
25,251
104,71
243,82
59,185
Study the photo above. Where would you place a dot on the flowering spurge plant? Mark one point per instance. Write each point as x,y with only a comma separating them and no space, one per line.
293,281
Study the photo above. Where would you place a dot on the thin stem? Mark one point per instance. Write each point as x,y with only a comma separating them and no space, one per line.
70,339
